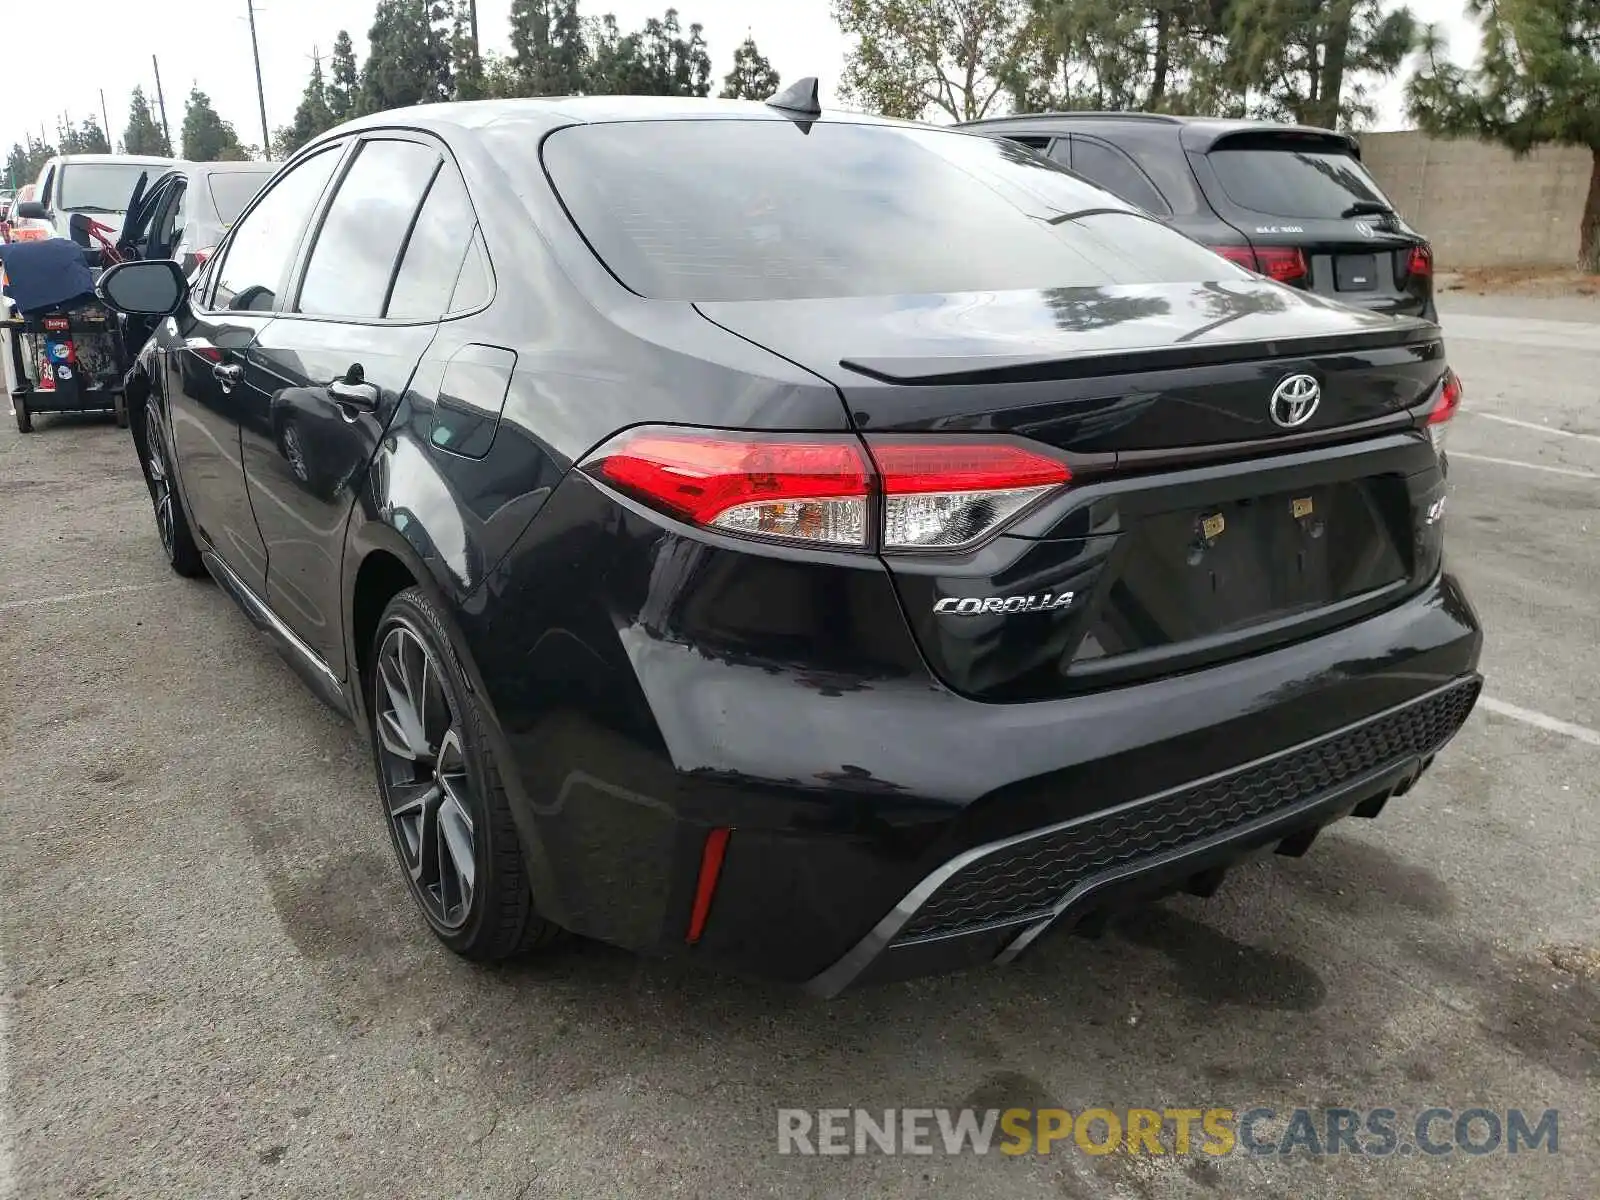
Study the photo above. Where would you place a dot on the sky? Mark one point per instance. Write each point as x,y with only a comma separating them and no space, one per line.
206,44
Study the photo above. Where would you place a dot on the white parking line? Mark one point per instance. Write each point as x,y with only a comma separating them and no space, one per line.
1511,462
1539,720
69,597
1572,433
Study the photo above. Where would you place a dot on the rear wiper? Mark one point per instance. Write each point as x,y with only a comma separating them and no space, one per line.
1368,208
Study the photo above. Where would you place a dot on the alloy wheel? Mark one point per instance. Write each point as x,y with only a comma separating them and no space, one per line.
160,486
425,778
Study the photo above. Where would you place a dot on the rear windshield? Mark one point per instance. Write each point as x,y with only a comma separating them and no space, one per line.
232,190
1314,184
764,210
100,187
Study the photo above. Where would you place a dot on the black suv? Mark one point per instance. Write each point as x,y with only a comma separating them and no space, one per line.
830,547
1290,201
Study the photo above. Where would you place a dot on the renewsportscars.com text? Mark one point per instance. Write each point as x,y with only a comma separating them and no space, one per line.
1216,1132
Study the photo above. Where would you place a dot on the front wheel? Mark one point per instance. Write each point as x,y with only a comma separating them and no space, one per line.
172,523
446,809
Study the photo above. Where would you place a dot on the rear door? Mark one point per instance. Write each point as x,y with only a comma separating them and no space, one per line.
332,370
1310,191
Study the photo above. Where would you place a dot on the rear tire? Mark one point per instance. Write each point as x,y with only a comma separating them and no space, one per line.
443,800
19,407
119,410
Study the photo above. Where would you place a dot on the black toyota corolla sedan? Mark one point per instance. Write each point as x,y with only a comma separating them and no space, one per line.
822,546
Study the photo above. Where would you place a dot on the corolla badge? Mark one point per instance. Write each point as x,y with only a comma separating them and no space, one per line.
972,605
1294,401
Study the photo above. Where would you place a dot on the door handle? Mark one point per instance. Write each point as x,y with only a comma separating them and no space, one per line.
358,394
228,375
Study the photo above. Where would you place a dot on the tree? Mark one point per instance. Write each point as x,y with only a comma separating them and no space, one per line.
466,65
1147,55
1537,83
1313,61
206,136
344,80
311,117
672,65
408,59
143,135
614,65
958,57
550,53
25,161
752,77
87,138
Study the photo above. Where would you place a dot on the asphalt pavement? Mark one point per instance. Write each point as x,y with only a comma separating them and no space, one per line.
212,982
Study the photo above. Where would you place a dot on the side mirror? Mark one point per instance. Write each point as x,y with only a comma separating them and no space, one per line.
153,288
32,210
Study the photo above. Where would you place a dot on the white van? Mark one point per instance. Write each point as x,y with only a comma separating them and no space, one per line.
98,185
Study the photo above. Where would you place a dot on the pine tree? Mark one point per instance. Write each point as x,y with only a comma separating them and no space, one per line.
313,116
549,50
408,60
92,139
466,65
752,77
143,135
344,80
206,136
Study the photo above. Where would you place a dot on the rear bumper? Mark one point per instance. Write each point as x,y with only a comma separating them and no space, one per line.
992,902
858,804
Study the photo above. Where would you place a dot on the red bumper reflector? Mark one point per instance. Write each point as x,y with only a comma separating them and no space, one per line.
706,887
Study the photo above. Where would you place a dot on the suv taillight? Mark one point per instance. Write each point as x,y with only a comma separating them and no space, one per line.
1416,262
1286,264
1444,407
893,493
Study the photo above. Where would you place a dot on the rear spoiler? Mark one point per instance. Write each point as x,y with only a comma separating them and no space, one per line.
1033,368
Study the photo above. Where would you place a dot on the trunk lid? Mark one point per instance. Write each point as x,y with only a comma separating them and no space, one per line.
1098,370
1197,527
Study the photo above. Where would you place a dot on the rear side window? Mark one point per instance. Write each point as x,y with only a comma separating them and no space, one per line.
762,210
1285,182
257,257
433,255
1116,172
353,261
232,190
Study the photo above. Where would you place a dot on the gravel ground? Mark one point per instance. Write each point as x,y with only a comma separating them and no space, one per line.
212,983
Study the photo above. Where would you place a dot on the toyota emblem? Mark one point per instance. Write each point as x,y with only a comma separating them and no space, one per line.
1365,230
1294,401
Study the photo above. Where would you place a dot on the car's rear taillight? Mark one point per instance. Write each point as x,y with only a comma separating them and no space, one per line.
1286,264
201,257
1444,407
797,489
1242,255
941,495
895,493
1420,261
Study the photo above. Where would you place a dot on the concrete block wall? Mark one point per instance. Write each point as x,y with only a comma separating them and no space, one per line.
1480,206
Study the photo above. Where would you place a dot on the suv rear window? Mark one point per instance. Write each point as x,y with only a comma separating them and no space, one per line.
761,210
1315,184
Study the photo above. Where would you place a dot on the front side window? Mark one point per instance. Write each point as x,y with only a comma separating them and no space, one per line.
259,254
762,210
353,260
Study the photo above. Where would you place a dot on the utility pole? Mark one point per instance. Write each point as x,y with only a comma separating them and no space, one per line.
472,16
106,117
161,102
261,95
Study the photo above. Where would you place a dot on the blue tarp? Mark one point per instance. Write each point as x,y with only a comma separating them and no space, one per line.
41,275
